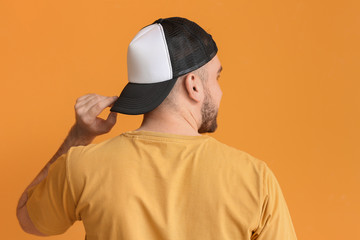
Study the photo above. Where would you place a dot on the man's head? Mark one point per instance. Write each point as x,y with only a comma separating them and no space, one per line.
197,93
163,55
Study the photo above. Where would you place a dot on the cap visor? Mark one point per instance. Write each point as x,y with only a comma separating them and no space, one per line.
139,98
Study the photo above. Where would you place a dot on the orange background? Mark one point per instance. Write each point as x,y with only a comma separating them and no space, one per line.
290,82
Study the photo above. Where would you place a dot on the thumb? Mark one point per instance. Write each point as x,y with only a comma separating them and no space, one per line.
106,125
111,119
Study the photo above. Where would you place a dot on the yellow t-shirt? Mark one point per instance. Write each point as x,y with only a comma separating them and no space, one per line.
157,186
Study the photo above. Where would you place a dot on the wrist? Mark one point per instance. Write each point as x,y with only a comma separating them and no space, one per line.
79,136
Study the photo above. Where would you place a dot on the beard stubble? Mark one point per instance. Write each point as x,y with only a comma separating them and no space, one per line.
209,115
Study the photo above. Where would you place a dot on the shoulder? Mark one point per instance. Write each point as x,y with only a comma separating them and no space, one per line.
237,156
94,148
84,162
81,159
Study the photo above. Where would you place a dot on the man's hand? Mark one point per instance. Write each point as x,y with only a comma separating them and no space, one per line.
87,108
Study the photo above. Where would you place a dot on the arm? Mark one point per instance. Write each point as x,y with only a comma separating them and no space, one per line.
85,129
275,220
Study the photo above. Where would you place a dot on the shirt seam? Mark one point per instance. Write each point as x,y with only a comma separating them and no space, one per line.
158,138
68,177
261,196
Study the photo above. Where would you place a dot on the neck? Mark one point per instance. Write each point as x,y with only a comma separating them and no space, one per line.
170,123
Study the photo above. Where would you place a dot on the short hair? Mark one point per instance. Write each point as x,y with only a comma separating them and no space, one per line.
170,100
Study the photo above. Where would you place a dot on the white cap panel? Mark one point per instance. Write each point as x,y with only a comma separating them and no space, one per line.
148,59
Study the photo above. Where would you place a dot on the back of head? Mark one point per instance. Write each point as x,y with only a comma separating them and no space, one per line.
174,102
157,56
190,46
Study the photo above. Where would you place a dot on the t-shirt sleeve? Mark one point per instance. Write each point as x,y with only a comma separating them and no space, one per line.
275,220
50,204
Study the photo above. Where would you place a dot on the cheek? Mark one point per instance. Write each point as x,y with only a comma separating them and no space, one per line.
220,96
220,92
217,94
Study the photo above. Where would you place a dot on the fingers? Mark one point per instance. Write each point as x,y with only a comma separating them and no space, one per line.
98,105
87,102
85,97
87,108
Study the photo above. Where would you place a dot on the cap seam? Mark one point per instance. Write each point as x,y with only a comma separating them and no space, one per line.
140,35
166,49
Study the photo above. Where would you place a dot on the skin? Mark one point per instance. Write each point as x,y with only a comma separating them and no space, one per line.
190,109
87,126
194,104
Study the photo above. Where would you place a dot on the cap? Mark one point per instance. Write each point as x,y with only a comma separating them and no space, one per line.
159,54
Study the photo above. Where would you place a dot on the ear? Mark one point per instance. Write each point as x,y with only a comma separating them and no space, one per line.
194,87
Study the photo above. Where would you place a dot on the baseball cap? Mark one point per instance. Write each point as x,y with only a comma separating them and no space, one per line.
159,54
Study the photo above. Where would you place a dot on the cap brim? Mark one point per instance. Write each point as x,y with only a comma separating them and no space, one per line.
138,98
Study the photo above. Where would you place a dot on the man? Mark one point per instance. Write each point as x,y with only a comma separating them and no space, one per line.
164,180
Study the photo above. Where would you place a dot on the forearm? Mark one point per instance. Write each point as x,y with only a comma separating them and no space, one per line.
85,129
